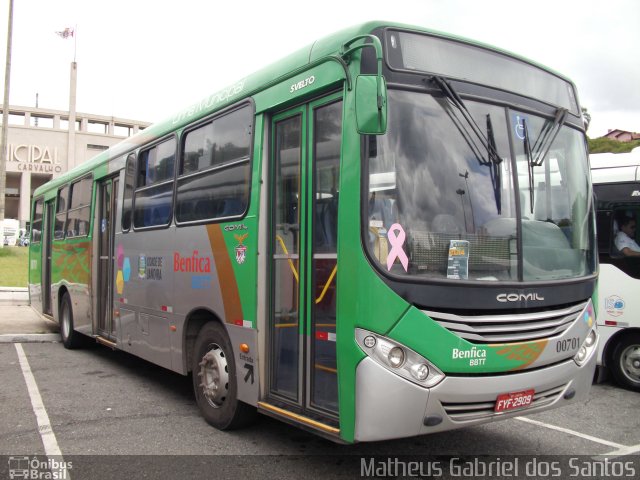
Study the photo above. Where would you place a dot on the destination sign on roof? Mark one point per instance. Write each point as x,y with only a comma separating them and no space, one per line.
464,61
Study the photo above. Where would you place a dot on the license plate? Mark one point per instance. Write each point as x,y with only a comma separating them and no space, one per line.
514,400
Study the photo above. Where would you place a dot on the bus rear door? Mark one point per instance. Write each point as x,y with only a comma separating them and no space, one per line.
107,198
47,239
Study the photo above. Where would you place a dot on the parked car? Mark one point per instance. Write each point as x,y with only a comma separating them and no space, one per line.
23,239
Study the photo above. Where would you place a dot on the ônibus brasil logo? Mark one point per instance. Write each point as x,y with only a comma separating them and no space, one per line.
35,468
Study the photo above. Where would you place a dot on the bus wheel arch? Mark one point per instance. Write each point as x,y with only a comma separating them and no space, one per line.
70,338
196,319
56,299
215,382
610,346
623,358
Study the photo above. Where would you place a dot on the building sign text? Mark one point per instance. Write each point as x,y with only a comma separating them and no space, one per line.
34,158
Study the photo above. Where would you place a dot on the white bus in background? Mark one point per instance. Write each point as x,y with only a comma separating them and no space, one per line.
616,184
11,229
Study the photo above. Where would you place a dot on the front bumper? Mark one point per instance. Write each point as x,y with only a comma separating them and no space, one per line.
388,406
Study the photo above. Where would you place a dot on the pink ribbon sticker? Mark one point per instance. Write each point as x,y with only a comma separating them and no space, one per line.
396,241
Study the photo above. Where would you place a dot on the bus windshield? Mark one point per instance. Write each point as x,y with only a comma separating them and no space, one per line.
447,201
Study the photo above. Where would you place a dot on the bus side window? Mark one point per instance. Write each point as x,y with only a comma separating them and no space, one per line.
604,227
36,224
79,208
214,174
618,219
153,196
61,213
630,265
128,191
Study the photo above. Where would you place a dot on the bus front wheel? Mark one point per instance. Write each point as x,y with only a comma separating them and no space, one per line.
214,380
70,338
625,367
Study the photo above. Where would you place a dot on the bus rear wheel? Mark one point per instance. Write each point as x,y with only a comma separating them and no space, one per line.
625,367
70,338
214,380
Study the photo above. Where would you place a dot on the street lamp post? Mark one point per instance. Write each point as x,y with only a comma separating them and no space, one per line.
466,182
5,121
461,192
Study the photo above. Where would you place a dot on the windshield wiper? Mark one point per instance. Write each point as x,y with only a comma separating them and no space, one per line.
541,148
455,99
495,169
548,136
529,154
487,141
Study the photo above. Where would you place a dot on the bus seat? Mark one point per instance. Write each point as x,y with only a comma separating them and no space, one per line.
326,227
615,253
146,213
185,211
559,204
204,209
160,215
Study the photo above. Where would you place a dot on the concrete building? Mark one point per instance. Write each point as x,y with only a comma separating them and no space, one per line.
43,144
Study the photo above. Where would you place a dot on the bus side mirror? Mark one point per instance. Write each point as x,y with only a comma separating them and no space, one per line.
371,105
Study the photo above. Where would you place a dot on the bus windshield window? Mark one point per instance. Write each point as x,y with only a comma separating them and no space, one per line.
434,194
556,227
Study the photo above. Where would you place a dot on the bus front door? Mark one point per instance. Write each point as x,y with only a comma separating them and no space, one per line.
303,376
107,197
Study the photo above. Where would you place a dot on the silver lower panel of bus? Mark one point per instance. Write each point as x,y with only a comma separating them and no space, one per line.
388,406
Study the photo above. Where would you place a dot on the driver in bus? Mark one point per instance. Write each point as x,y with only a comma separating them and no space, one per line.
624,240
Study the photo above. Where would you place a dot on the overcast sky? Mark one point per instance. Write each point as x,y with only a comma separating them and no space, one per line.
145,60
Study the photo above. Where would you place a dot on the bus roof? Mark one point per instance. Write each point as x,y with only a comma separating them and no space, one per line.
250,85
615,167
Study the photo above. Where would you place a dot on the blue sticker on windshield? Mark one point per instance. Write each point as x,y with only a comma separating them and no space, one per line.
518,123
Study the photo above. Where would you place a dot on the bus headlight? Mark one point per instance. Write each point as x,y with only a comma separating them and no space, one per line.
420,371
591,339
587,347
396,357
399,359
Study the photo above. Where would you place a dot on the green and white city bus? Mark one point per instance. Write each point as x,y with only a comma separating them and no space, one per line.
616,185
388,233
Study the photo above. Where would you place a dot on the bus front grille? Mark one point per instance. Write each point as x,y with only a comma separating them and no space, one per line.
509,328
471,411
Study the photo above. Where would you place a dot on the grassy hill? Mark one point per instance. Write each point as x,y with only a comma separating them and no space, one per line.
607,145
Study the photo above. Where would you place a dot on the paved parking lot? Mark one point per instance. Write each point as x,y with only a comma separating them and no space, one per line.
101,402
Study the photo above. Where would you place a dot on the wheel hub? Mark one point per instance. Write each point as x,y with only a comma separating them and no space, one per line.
630,362
214,376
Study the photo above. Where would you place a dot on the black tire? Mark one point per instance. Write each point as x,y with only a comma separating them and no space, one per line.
214,380
625,362
70,338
